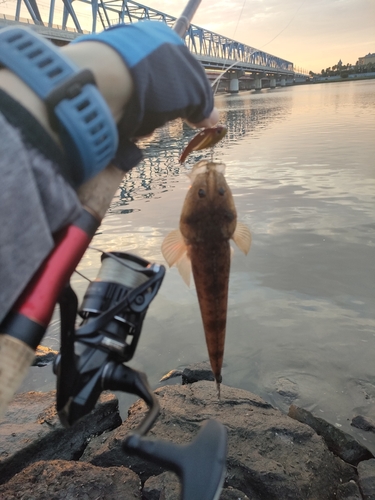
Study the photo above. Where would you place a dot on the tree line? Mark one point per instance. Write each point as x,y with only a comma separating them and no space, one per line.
344,70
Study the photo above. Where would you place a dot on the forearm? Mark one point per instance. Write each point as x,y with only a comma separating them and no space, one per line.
145,77
112,77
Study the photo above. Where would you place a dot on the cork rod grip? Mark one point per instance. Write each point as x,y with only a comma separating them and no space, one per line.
15,360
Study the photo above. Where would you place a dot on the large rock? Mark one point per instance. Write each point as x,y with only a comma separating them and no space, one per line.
349,491
197,372
364,423
60,480
366,474
270,456
31,431
339,442
167,486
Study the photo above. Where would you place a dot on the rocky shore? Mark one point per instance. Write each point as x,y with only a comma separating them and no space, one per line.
271,456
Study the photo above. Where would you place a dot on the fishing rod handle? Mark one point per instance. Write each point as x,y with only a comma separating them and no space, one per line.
24,327
15,360
183,22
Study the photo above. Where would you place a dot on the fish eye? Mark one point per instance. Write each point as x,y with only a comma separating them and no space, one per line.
201,193
221,191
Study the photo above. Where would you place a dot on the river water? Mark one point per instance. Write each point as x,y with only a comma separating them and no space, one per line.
301,315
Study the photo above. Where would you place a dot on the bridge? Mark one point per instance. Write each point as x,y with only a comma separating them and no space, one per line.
246,67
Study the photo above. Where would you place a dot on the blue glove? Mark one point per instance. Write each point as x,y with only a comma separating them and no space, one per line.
168,81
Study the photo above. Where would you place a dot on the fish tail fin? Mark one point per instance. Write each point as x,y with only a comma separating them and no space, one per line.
218,380
218,390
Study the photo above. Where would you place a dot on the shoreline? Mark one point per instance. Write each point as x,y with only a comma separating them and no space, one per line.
271,454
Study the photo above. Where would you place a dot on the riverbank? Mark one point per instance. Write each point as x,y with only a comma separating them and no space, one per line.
270,456
349,78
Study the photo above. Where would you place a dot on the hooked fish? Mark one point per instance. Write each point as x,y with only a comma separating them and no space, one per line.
208,221
204,139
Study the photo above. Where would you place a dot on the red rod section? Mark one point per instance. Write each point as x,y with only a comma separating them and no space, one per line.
39,298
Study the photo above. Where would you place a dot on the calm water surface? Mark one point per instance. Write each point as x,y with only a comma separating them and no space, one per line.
301,320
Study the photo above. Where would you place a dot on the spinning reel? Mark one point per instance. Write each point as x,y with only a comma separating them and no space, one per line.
92,359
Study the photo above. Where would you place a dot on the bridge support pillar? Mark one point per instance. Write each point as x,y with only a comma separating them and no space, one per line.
283,82
234,85
258,83
272,83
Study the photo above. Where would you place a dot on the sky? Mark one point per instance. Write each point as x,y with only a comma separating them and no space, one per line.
313,34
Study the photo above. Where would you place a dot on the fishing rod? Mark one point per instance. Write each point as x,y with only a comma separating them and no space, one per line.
92,357
183,22
182,25
25,327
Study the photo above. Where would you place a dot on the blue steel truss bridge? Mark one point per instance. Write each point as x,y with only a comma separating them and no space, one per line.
216,52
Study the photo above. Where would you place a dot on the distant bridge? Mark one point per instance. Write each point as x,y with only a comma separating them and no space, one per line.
216,52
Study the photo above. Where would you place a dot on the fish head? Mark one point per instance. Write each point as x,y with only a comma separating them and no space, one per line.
209,212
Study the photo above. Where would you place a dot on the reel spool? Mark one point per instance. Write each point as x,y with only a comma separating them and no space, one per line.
119,276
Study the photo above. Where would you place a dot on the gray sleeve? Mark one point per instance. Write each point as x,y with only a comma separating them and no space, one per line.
35,202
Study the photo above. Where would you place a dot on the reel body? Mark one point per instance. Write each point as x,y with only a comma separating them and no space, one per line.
93,357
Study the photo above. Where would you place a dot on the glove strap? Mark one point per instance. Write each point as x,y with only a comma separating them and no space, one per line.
76,109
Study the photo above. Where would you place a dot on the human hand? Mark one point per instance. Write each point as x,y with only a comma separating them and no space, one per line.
208,122
168,81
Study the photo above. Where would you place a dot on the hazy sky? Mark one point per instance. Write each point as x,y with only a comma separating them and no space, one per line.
313,34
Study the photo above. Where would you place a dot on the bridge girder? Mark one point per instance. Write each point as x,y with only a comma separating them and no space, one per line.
218,51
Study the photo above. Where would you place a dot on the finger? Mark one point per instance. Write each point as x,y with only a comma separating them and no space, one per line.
211,121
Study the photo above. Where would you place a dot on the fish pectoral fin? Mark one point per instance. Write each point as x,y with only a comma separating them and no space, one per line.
184,268
173,247
242,237
174,251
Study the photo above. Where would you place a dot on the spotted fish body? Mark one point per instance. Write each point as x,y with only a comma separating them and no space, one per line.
208,221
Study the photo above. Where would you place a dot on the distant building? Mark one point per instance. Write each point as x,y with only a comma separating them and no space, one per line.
370,58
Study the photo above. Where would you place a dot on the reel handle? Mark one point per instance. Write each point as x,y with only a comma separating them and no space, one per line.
200,465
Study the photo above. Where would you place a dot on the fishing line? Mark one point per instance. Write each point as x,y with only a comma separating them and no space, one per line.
287,26
83,276
243,6
217,80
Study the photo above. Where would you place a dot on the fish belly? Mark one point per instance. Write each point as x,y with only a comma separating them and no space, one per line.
210,267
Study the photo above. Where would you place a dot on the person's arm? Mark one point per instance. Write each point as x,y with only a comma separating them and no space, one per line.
112,76
147,77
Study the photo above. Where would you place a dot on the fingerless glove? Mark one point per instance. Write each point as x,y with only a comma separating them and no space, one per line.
168,81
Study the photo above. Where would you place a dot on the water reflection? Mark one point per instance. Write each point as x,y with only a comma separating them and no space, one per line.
243,115
301,304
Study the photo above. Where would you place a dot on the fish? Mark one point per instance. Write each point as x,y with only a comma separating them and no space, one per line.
204,139
201,246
